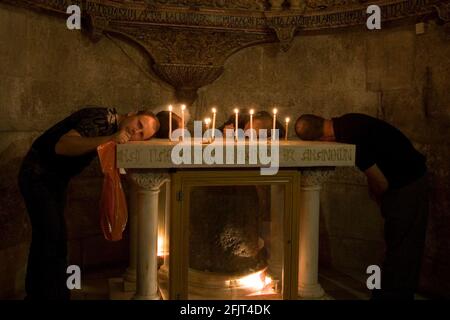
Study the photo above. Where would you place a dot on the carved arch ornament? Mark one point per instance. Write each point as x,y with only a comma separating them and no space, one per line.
190,40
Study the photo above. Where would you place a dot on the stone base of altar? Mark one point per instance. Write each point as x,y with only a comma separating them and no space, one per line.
220,286
116,290
128,286
120,289
324,297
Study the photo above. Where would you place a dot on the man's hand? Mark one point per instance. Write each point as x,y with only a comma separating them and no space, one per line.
377,182
122,136
125,135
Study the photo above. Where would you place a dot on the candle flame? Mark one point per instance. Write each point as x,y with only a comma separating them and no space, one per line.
252,111
275,111
287,120
183,107
160,246
257,281
236,110
214,110
170,108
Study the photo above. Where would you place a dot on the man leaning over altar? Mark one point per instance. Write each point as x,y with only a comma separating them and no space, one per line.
397,178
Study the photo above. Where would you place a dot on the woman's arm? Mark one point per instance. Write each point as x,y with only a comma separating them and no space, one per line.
72,144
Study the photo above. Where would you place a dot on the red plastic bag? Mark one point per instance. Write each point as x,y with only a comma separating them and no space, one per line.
113,205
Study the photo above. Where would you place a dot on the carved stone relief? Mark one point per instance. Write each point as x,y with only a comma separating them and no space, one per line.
190,40
443,10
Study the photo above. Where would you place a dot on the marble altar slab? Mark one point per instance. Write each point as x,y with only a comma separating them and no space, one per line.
157,153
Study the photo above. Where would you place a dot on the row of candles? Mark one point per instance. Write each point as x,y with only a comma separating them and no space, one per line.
236,126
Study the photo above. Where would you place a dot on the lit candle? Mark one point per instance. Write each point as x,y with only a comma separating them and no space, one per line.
251,124
170,122
287,128
207,122
183,107
214,111
236,126
275,111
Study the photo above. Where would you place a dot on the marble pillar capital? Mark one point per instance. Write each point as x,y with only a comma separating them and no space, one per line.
314,177
149,180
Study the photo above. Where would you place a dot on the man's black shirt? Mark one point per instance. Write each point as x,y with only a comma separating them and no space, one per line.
88,122
377,142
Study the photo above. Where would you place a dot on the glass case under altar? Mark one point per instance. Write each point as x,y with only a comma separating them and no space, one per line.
229,235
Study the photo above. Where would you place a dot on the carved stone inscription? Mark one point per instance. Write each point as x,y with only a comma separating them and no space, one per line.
295,154
319,15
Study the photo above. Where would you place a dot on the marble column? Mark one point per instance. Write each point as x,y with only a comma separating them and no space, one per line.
166,226
148,185
129,278
308,282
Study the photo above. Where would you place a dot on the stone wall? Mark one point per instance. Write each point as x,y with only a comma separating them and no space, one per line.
47,71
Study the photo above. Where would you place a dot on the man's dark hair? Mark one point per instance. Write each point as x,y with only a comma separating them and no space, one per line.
268,118
309,127
244,117
163,117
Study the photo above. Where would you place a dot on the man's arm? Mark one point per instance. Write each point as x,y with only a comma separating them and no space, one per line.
72,144
378,184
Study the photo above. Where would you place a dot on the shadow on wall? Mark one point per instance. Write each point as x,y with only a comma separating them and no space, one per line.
351,227
14,224
435,279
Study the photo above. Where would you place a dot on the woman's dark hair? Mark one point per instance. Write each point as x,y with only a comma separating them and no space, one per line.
309,127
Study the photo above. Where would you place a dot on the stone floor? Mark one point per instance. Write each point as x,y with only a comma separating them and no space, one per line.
343,286
337,285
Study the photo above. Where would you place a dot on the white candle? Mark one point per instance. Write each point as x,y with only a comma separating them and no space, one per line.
214,111
183,107
251,124
275,111
236,126
170,122
207,122
287,128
